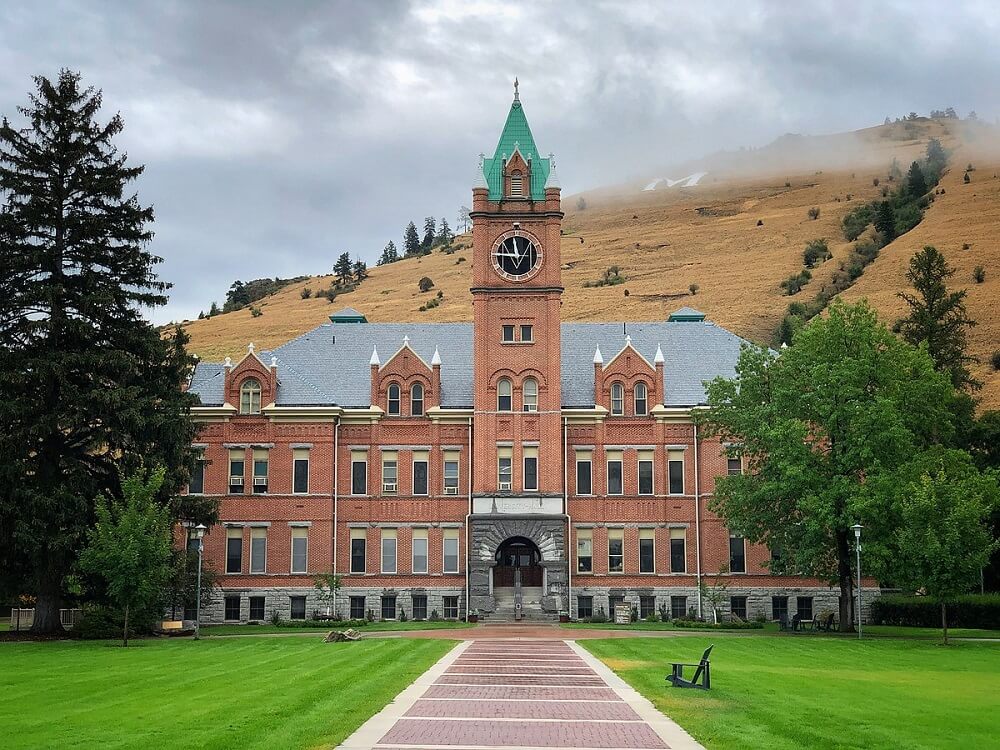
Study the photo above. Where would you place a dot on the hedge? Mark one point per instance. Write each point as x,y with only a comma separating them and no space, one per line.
734,625
971,611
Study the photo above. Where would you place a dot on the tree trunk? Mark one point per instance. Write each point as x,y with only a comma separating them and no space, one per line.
125,631
48,602
846,600
944,622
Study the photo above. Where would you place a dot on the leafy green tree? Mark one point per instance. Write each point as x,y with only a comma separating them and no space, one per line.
90,387
411,240
389,254
916,183
327,585
885,221
343,269
937,317
129,546
847,402
430,231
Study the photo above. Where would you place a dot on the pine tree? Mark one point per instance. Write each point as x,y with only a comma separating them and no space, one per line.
938,317
343,269
430,229
91,389
445,235
389,254
360,270
411,241
916,183
885,221
213,310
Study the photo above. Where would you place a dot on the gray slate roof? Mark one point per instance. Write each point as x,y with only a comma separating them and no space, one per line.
330,364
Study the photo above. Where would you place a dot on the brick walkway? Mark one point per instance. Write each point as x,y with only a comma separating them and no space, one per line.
488,694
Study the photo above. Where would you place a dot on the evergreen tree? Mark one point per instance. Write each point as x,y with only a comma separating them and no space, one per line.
935,152
885,221
237,297
463,218
938,317
445,235
360,270
91,389
430,230
343,269
411,241
916,183
389,254
213,310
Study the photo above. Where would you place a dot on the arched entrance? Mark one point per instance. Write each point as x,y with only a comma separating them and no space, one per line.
517,561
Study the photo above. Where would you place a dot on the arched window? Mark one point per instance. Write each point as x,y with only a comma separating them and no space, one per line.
416,400
250,396
641,406
503,395
617,398
393,400
530,395
516,184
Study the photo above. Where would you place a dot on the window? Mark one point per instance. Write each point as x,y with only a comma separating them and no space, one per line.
392,400
250,396
584,606
616,550
779,607
450,550
359,553
647,606
678,555
259,471
388,550
777,564
645,472
297,604
617,399
584,483
357,608
300,471
420,550
197,484
647,554
300,549
232,608
614,472
507,333
641,400
451,472
234,549
530,467
503,395
419,606
388,608
416,400
237,463
257,608
678,607
734,466
258,549
529,395
450,607
390,472
359,473
516,184
584,550
526,334
675,471
738,606
419,472
804,607
505,469
737,555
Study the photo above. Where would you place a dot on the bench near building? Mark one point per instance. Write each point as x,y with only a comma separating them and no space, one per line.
474,467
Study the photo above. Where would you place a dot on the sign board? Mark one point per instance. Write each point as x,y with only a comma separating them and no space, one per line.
623,614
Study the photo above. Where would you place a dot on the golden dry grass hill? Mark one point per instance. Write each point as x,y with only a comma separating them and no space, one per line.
736,235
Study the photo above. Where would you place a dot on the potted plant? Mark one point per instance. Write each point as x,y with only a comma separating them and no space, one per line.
563,616
473,616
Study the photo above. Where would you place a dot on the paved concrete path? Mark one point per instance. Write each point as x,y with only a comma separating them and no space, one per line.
491,694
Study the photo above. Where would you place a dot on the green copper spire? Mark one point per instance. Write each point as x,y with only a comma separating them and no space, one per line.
516,135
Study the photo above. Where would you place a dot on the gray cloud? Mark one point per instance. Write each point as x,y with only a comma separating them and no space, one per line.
277,135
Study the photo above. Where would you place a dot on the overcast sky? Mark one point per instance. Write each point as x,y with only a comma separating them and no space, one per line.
278,135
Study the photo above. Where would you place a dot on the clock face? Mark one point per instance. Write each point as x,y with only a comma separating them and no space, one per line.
517,256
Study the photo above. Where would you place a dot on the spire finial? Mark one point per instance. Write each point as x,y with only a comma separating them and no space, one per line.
517,97
250,348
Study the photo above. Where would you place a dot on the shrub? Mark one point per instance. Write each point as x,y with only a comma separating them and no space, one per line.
734,625
599,616
793,284
966,246
875,182
255,312
306,293
979,274
425,284
970,611
693,288
966,179
276,618
813,213
402,615
440,294
849,197
581,204
787,183
612,277
760,222
906,217
856,221
652,617
817,251
995,359
435,617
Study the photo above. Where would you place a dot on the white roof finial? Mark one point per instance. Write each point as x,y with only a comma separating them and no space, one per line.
274,361
598,359
406,340
229,362
658,359
250,347
374,361
436,359
628,340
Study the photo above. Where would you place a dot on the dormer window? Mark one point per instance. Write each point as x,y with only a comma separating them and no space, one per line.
393,400
250,396
516,184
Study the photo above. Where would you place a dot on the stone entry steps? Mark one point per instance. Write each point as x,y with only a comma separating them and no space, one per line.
531,610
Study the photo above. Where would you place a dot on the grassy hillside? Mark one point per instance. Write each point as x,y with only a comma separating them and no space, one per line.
708,235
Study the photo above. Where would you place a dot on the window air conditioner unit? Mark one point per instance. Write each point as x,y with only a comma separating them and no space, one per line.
235,481
504,486
451,490
389,487
259,481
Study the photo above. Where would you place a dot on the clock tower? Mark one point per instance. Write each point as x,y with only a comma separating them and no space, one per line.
516,292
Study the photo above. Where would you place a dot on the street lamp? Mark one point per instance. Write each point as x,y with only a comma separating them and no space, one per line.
198,534
857,538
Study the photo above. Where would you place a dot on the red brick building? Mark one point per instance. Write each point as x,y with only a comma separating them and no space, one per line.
516,460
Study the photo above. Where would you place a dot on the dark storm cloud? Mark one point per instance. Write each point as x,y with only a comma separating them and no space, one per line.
277,135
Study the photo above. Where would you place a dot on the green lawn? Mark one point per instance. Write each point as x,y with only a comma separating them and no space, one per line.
660,626
821,692
375,627
891,631
215,693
